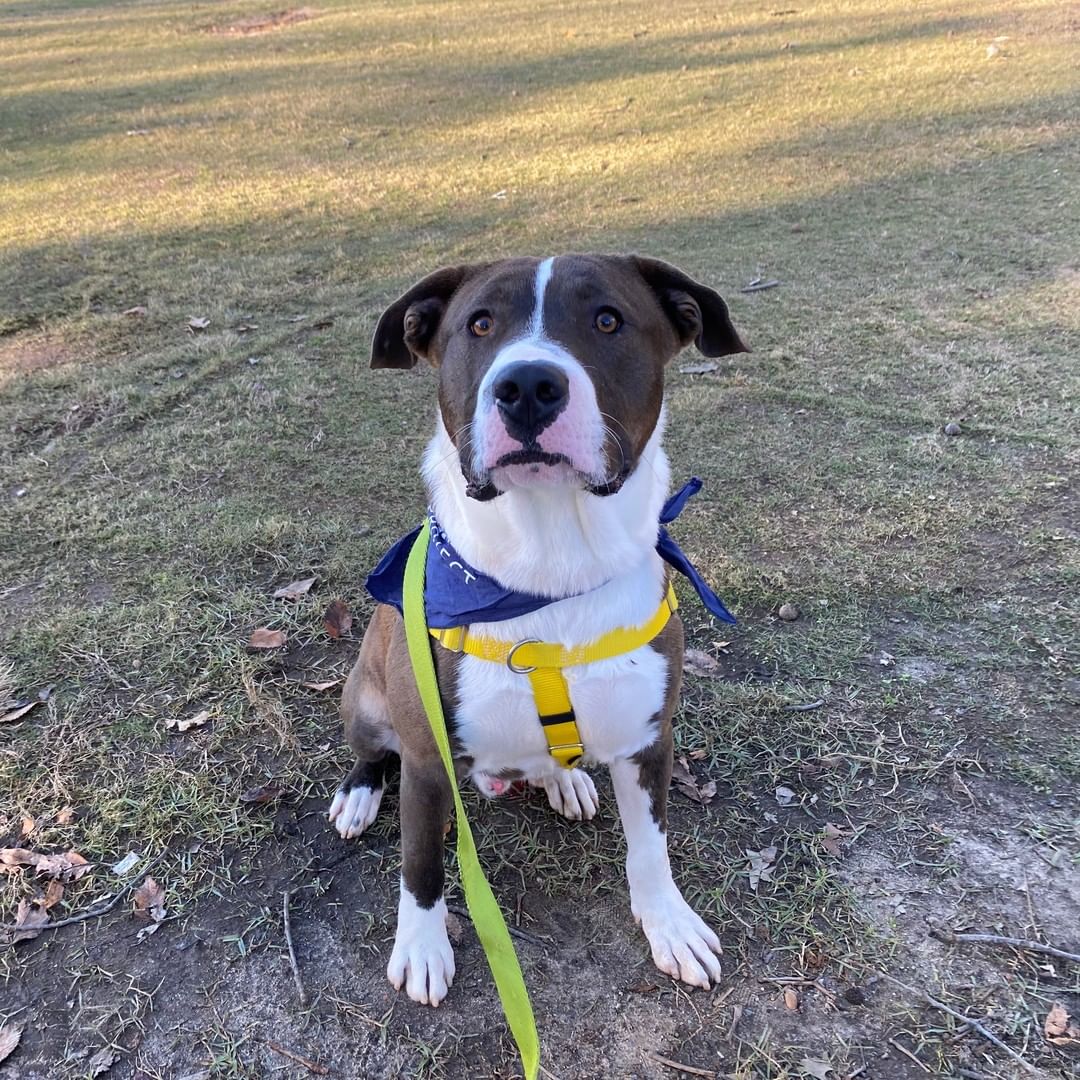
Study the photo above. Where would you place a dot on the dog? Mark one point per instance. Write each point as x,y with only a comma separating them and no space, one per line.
547,481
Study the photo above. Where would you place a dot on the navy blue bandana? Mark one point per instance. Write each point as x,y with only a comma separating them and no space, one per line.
457,595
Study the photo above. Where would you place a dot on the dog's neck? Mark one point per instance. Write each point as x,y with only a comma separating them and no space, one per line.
553,542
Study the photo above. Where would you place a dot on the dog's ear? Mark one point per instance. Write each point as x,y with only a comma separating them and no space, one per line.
697,312
407,326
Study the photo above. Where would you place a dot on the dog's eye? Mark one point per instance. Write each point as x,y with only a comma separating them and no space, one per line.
608,321
481,324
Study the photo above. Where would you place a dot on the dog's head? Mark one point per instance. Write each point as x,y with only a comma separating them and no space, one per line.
552,372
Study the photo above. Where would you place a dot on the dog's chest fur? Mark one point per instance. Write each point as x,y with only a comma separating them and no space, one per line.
605,548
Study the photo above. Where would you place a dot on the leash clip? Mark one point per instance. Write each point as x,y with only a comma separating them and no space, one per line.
513,649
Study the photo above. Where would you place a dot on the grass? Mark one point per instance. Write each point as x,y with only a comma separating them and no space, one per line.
907,175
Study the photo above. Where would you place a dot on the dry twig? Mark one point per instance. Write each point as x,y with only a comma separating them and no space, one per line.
998,939
522,935
690,1070
311,1066
292,952
908,1054
973,1024
92,912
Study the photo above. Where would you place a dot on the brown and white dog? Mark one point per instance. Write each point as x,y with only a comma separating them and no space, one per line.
546,473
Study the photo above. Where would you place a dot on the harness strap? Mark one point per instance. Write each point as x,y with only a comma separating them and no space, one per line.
543,662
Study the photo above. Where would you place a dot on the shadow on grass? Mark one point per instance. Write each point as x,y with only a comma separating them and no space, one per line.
230,72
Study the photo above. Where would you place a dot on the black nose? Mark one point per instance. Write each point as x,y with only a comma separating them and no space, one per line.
530,395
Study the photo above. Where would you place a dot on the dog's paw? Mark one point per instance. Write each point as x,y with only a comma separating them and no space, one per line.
354,810
423,959
682,945
571,793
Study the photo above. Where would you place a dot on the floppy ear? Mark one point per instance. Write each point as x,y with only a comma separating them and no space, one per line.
697,312
408,325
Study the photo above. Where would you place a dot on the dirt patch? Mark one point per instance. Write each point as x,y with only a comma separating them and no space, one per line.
214,986
262,24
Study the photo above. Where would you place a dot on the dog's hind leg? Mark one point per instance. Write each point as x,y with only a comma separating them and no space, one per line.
369,734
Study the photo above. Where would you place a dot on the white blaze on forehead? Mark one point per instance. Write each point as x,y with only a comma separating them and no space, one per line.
577,432
543,276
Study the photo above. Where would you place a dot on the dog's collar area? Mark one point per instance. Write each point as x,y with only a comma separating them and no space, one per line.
457,594
542,662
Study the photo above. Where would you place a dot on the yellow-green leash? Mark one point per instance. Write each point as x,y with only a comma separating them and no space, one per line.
483,908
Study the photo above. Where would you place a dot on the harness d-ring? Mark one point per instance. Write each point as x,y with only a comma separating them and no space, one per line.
510,656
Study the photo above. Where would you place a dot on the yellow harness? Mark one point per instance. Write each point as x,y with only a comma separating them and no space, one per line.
543,662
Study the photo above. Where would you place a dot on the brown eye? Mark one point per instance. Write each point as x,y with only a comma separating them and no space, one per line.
607,321
481,325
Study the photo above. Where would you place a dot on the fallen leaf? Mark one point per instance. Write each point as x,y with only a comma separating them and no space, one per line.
680,772
816,1068
321,685
9,1039
150,900
182,724
266,639
65,816
454,929
138,309
791,999
1058,1027
784,795
102,1061
14,715
54,893
337,619
147,930
643,987
28,825
14,858
686,782
761,865
29,921
264,793
831,837
294,589
699,369
196,323
245,328
70,866
322,324
699,663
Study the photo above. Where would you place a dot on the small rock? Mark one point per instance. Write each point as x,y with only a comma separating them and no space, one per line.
952,428
788,612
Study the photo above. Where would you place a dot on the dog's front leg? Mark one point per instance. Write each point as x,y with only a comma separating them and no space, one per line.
422,959
682,945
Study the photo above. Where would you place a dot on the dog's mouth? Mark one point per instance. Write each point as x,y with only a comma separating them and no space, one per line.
532,456
533,461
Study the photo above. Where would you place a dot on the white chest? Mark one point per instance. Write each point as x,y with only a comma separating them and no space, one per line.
616,701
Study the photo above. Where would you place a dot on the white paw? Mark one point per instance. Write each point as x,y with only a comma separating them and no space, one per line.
571,792
353,811
682,945
423,959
